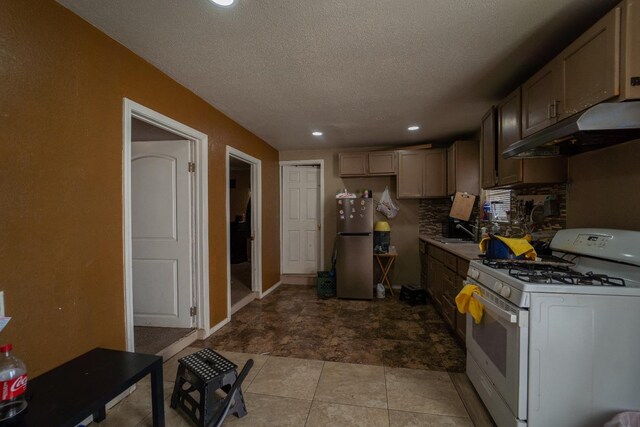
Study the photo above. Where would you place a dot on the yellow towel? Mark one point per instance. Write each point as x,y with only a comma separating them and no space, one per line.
467,304
517,246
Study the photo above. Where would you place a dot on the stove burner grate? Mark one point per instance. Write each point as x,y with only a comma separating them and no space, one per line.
563,275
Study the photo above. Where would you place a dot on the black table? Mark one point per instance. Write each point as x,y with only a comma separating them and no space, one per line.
68,394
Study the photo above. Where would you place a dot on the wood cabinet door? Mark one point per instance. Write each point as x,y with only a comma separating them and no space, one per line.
631,49
488,174
539,97
451,169
431,275
436,284
435,173
382,163
590,66
509,117
353,164
410,174
467,167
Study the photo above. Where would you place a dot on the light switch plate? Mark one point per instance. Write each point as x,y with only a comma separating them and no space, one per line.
1,303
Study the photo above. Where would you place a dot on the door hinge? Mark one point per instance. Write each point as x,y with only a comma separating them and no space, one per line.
193,311
192,167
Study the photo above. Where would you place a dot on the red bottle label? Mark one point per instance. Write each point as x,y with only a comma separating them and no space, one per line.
13,388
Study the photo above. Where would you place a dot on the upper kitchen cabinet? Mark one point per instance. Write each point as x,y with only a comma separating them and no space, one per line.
488,141
519,172
540,100
630,50
435,173
590,67
422,173
410,172
353,164
509,170
371,163
382,163
585,73
463,167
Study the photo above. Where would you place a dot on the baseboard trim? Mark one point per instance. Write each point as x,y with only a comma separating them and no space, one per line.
243,302
268,291
175,348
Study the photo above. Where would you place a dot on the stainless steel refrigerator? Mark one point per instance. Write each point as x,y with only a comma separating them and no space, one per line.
354,258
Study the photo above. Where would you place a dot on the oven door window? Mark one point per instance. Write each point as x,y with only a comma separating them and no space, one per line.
491,336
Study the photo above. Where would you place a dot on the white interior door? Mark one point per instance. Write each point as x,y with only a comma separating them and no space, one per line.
301,219
161,232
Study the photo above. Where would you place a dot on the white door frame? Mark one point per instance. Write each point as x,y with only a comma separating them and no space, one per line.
256,222
319,162
201,212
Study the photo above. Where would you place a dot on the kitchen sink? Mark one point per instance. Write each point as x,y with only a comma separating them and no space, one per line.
447,240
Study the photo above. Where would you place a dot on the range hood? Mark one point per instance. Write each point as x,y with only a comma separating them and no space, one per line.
600,126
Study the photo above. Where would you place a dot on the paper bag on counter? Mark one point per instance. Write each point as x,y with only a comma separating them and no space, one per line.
462,206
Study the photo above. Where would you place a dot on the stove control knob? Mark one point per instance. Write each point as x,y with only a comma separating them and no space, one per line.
505,291
497,287
473,273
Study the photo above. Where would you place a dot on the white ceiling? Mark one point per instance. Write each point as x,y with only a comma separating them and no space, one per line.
360,71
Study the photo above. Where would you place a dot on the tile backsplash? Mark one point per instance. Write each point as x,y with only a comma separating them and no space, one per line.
433,212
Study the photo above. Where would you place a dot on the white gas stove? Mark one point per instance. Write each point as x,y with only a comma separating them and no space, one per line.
558,343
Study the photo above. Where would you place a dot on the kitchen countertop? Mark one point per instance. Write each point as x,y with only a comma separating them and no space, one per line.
468,251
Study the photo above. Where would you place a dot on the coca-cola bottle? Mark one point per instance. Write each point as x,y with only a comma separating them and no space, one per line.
13,384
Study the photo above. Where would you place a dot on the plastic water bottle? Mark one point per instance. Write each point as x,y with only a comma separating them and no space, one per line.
13,384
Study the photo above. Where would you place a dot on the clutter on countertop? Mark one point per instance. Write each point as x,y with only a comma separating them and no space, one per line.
498,247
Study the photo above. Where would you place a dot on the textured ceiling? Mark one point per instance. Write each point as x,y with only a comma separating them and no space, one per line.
360,71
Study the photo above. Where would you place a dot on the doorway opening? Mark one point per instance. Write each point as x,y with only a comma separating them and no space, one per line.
302,220
165,232
244,268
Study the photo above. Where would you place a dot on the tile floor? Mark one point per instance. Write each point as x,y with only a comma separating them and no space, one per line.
332,363
294,322
286,391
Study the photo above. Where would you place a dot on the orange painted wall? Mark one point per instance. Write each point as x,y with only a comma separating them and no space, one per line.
61,249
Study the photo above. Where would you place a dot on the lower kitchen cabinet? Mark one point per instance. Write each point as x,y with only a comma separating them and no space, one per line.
442,275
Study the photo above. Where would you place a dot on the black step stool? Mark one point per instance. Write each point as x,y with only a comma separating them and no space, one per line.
204,372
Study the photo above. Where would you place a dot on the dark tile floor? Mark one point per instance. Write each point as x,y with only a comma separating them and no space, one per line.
293,322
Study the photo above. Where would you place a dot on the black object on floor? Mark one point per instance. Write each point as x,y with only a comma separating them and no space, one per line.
202,373
413,295
70,393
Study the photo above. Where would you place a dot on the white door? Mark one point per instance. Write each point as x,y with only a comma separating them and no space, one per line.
161,230
301,219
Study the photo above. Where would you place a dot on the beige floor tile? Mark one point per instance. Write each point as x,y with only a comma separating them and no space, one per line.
270,411
287,377
332,414
428,392
349,384
241,358
413,419
172,418
131,410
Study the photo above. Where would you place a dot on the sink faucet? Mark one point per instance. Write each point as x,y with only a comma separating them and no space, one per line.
469,232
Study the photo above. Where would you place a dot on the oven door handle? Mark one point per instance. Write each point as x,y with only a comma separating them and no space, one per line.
495,309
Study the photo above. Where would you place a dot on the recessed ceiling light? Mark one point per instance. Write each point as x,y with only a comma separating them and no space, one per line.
413,128
316,133
223,2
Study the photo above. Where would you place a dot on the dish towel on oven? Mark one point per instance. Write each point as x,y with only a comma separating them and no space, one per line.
467,304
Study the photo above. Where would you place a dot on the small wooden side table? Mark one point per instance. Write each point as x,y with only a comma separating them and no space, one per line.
385,268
